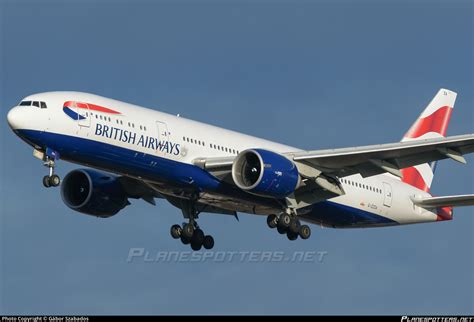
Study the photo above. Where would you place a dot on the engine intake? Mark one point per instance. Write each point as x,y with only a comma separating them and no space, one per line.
93,193
265,173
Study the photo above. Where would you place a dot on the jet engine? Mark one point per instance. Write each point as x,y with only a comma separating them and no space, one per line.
265,173
93,193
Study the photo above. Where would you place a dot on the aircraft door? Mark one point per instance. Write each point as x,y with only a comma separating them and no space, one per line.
82,110
163,136
387,197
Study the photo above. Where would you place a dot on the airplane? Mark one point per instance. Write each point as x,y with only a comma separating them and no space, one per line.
132,152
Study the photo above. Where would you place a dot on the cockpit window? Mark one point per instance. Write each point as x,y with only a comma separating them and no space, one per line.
33,103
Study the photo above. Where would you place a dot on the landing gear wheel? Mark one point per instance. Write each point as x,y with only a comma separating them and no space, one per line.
185,240
196,246
188,231
294,226
284,220
281,230
54,180
272,221
46,182
305,232
176,231
198,237
208,242
291,235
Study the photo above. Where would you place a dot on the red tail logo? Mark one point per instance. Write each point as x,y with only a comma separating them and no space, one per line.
432,123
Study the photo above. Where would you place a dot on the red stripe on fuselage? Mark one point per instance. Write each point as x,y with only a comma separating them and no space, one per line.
91,107
412,177
436,122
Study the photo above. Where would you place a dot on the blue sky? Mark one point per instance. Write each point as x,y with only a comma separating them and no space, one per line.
313,74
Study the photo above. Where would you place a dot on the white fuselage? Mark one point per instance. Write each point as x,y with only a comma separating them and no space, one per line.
175,142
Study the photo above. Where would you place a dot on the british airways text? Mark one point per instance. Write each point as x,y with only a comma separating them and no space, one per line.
137,139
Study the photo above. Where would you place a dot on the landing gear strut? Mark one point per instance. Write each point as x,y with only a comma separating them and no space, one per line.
189,232
289,225
51,180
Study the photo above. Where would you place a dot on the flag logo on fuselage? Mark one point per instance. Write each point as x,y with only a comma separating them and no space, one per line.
71,109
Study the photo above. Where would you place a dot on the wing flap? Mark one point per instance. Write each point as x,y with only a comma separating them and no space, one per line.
375,159
446,201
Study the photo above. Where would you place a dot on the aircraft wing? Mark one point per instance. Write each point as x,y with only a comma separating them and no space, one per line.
376,159
366,160
138,189
445,201
321,169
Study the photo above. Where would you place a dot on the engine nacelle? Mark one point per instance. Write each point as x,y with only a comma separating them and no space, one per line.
265,173
93,193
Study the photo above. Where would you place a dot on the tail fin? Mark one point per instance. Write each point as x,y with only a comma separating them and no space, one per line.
432,123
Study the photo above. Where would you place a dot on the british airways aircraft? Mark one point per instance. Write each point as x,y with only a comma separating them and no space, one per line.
135,152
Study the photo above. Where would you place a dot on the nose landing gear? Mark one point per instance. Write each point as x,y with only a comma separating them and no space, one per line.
51,180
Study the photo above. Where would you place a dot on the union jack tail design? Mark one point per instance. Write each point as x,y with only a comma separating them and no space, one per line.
432,123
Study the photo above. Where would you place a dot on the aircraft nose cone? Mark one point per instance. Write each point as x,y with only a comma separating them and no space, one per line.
12,118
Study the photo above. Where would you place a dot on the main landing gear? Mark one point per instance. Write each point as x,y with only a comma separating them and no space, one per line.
51,180
289,225
190,233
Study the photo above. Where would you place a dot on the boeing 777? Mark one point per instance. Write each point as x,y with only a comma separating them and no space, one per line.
136,152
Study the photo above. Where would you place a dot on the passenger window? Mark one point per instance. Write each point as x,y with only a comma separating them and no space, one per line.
25,103
36,103
43,105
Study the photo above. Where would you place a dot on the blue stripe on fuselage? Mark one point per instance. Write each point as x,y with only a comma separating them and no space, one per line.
123,160
150,167
337,215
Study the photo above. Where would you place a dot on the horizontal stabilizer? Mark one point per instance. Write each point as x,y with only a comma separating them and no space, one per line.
445,201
